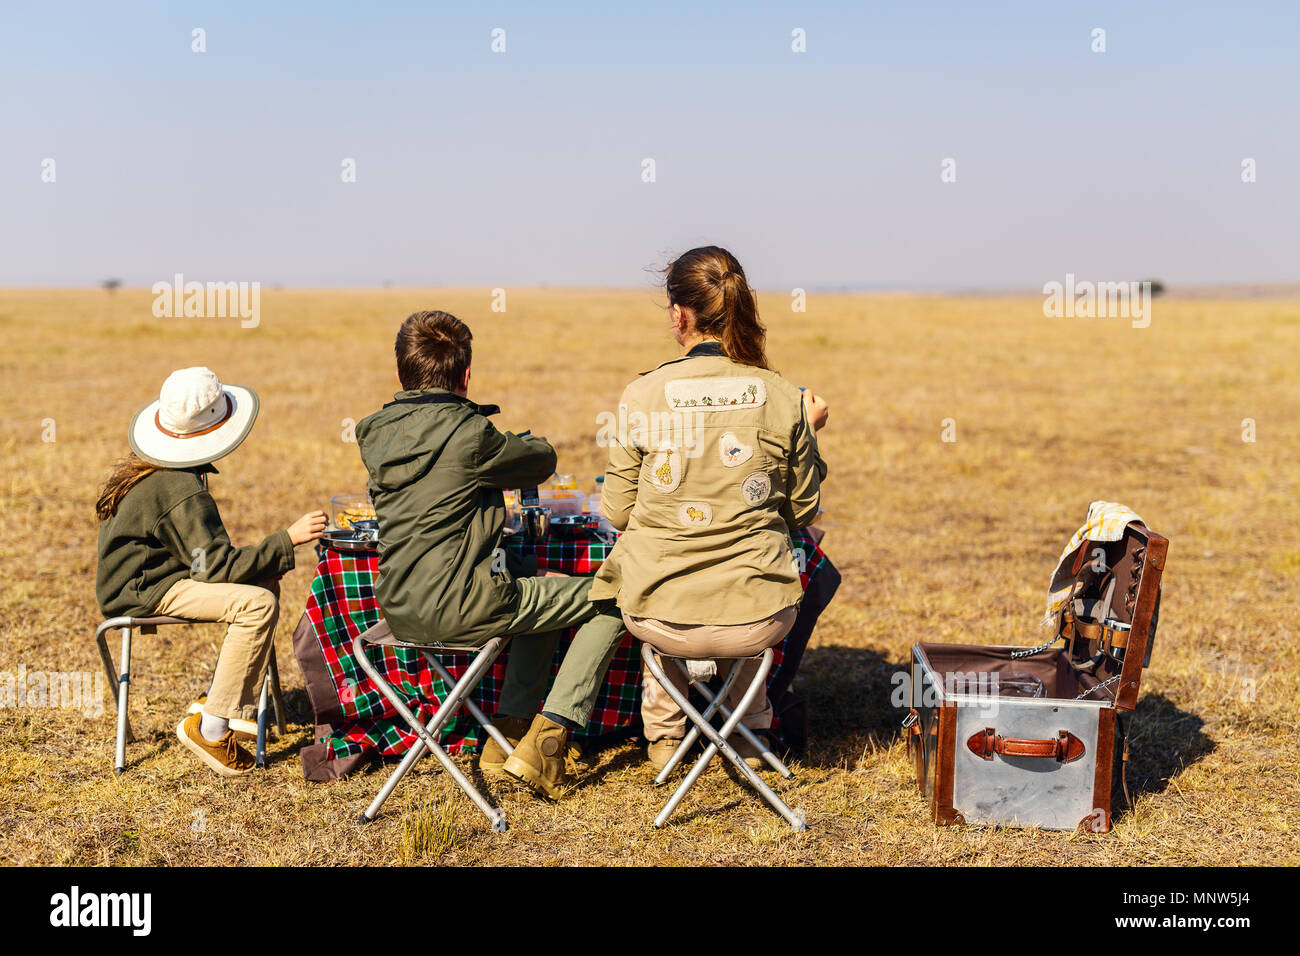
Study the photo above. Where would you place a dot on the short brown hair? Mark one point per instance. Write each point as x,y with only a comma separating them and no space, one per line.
433,350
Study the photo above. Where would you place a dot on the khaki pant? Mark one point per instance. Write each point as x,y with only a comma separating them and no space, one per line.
663,719
251,611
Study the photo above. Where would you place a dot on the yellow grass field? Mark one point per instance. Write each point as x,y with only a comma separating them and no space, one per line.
941,541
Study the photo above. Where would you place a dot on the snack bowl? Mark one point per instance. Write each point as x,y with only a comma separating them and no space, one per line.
346,510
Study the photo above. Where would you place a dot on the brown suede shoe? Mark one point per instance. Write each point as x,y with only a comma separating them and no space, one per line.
493,757
224,756
541,758
661,751
243,729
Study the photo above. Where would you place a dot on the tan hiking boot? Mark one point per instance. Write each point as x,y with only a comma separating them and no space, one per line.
541,758
661,751
224,756
751,754
493,757
243,729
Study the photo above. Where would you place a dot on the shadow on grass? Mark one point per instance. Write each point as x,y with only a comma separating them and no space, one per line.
594,749
849,691
297,705
1163,740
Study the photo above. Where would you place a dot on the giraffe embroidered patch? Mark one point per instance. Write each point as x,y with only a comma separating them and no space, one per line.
714,394
756,488
733,451
695,514
667,468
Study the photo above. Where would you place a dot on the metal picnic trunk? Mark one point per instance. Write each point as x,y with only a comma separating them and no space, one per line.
1035,737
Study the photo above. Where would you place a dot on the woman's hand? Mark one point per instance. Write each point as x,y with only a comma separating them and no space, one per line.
307,528
818,410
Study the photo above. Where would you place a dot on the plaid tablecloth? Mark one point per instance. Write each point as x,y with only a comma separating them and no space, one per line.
355,721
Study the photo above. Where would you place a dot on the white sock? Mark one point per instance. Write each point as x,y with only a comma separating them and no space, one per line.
212,728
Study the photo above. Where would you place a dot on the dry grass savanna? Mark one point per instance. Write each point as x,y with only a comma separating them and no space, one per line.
944,541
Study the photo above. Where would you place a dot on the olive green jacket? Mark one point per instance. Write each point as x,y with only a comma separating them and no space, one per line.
167,528
437,468
711,465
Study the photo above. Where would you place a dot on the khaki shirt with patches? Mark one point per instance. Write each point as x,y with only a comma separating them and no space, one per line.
711,465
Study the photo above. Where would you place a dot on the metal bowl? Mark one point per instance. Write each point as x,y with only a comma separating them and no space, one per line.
575,526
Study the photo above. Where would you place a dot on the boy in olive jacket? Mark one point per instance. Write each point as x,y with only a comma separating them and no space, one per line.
437,469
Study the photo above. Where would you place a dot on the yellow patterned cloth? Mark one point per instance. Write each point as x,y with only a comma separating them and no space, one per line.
1106,522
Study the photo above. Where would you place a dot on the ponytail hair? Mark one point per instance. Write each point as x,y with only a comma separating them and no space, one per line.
127,473
711,283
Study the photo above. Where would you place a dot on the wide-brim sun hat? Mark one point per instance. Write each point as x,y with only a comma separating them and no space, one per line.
194,420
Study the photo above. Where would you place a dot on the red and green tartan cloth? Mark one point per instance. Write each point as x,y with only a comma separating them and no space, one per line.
354,719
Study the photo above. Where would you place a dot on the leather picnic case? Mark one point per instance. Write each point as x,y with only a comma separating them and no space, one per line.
1035,736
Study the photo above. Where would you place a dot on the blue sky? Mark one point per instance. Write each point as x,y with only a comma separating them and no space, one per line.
819,169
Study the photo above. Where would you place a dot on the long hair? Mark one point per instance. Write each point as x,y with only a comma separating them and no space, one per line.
710,282
127,473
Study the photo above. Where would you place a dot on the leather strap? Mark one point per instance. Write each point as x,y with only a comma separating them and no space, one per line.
913,728
1107,637
1064,747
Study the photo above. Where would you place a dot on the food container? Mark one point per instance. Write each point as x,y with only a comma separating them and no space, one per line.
347,509
562,501
603,526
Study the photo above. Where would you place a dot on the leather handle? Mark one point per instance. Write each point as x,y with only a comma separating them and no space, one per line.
1063,748
912,728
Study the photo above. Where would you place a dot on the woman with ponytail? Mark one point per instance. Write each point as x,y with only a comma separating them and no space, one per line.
716,465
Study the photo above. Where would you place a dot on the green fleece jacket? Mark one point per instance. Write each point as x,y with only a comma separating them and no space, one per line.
167,528
437,469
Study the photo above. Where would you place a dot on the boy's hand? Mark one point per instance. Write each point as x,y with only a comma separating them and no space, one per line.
818,410
307,528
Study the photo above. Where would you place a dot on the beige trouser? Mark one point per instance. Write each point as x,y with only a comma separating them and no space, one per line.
251,611
663,719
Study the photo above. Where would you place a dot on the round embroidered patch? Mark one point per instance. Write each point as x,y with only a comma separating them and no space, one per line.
733,451
695,514
755,488
667,468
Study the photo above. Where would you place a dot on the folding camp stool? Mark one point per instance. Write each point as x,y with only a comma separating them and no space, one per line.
379,635
120,682
718,739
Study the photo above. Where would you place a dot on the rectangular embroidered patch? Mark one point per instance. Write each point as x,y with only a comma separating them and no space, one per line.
715,393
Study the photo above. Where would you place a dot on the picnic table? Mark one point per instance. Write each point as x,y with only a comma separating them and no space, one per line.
355,722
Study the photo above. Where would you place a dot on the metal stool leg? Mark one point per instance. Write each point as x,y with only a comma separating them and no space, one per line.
718,741
277,698
123,689
260,759
472,707
427,733
110,669
764,750
693,734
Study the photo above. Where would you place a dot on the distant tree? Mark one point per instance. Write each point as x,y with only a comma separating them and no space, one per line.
1157,287
111,285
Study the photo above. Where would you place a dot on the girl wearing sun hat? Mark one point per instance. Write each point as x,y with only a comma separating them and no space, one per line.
164,551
